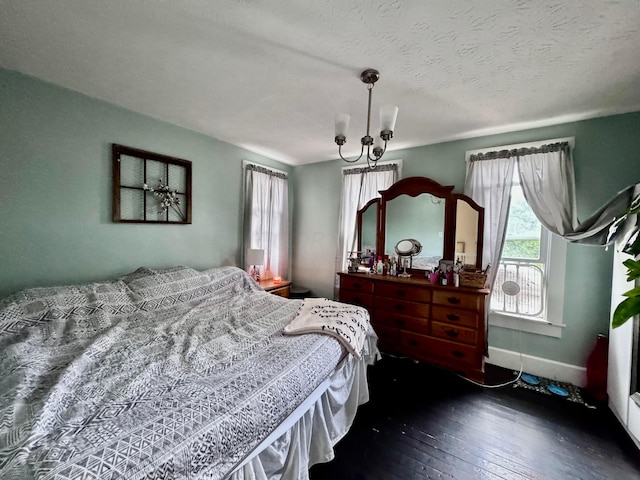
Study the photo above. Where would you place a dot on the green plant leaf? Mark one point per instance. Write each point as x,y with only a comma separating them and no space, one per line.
632,247
633,269
634,292
628,308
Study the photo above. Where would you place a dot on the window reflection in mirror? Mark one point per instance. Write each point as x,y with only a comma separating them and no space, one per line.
401,215
367,233
369,227
466,246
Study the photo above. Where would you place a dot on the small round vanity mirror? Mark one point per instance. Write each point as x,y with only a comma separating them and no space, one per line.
407,248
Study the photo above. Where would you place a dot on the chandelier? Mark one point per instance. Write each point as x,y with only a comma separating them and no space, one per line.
388,116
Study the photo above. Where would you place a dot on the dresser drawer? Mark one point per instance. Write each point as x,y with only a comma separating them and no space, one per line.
454,316
398,291
450,354
357,298
455,333
404,322
388,338
364,284
455,354
402,307
457,299
415,344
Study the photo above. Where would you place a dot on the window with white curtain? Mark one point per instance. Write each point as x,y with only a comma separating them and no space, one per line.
517,245
359,185
266,218
524,260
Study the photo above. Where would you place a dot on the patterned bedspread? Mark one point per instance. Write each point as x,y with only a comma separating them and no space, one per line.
169,374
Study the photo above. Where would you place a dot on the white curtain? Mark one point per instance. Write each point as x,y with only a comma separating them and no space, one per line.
489,184
266,218
359,185
548,182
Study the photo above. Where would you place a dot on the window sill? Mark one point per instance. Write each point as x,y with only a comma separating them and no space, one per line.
539,327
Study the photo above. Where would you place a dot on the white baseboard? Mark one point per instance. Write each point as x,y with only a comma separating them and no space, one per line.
542,367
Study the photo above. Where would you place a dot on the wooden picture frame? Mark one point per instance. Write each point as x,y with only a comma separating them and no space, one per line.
149,187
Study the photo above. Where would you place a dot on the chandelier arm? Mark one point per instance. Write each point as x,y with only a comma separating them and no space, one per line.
371,160
349,161
377,157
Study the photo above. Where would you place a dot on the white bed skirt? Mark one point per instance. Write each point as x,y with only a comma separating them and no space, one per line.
311,431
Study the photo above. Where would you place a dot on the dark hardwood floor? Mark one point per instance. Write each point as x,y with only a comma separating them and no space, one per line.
422,422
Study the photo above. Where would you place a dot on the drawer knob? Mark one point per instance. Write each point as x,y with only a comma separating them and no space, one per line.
357,285
414,343
399,307
453,317
452,333
457,354
357,300
401,293
454,300
399,323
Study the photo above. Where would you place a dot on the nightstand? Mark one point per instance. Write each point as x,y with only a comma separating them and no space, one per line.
281,289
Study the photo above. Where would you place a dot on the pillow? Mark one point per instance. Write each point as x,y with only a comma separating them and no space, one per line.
173,285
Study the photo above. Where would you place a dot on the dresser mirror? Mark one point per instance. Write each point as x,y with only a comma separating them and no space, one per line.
469,222
367,233
401,213
367,220
448,226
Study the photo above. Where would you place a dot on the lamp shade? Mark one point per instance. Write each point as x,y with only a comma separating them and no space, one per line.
388,117
342,124
255,256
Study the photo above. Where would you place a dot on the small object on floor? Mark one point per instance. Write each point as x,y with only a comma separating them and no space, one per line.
555,389
530,379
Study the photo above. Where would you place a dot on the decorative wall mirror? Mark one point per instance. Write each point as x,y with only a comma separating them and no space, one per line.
448,226
149,187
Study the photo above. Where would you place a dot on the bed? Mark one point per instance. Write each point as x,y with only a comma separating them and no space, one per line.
170,374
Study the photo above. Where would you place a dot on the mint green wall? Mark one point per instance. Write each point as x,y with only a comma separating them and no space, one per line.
55,190
606,160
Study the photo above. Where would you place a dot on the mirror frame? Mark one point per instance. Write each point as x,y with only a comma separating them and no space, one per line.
373,203
480,233
414,186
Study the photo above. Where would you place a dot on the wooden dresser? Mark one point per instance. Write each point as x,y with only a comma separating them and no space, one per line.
441,325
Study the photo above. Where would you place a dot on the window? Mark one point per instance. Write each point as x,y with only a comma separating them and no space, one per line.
266,218
523,262
529,268
359,185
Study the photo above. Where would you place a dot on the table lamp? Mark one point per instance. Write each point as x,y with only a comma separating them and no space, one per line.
255,258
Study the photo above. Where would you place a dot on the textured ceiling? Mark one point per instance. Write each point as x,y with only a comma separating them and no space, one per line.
270,76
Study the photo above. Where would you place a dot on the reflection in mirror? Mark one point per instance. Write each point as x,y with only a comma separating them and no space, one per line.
368,231
401,215
466,246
